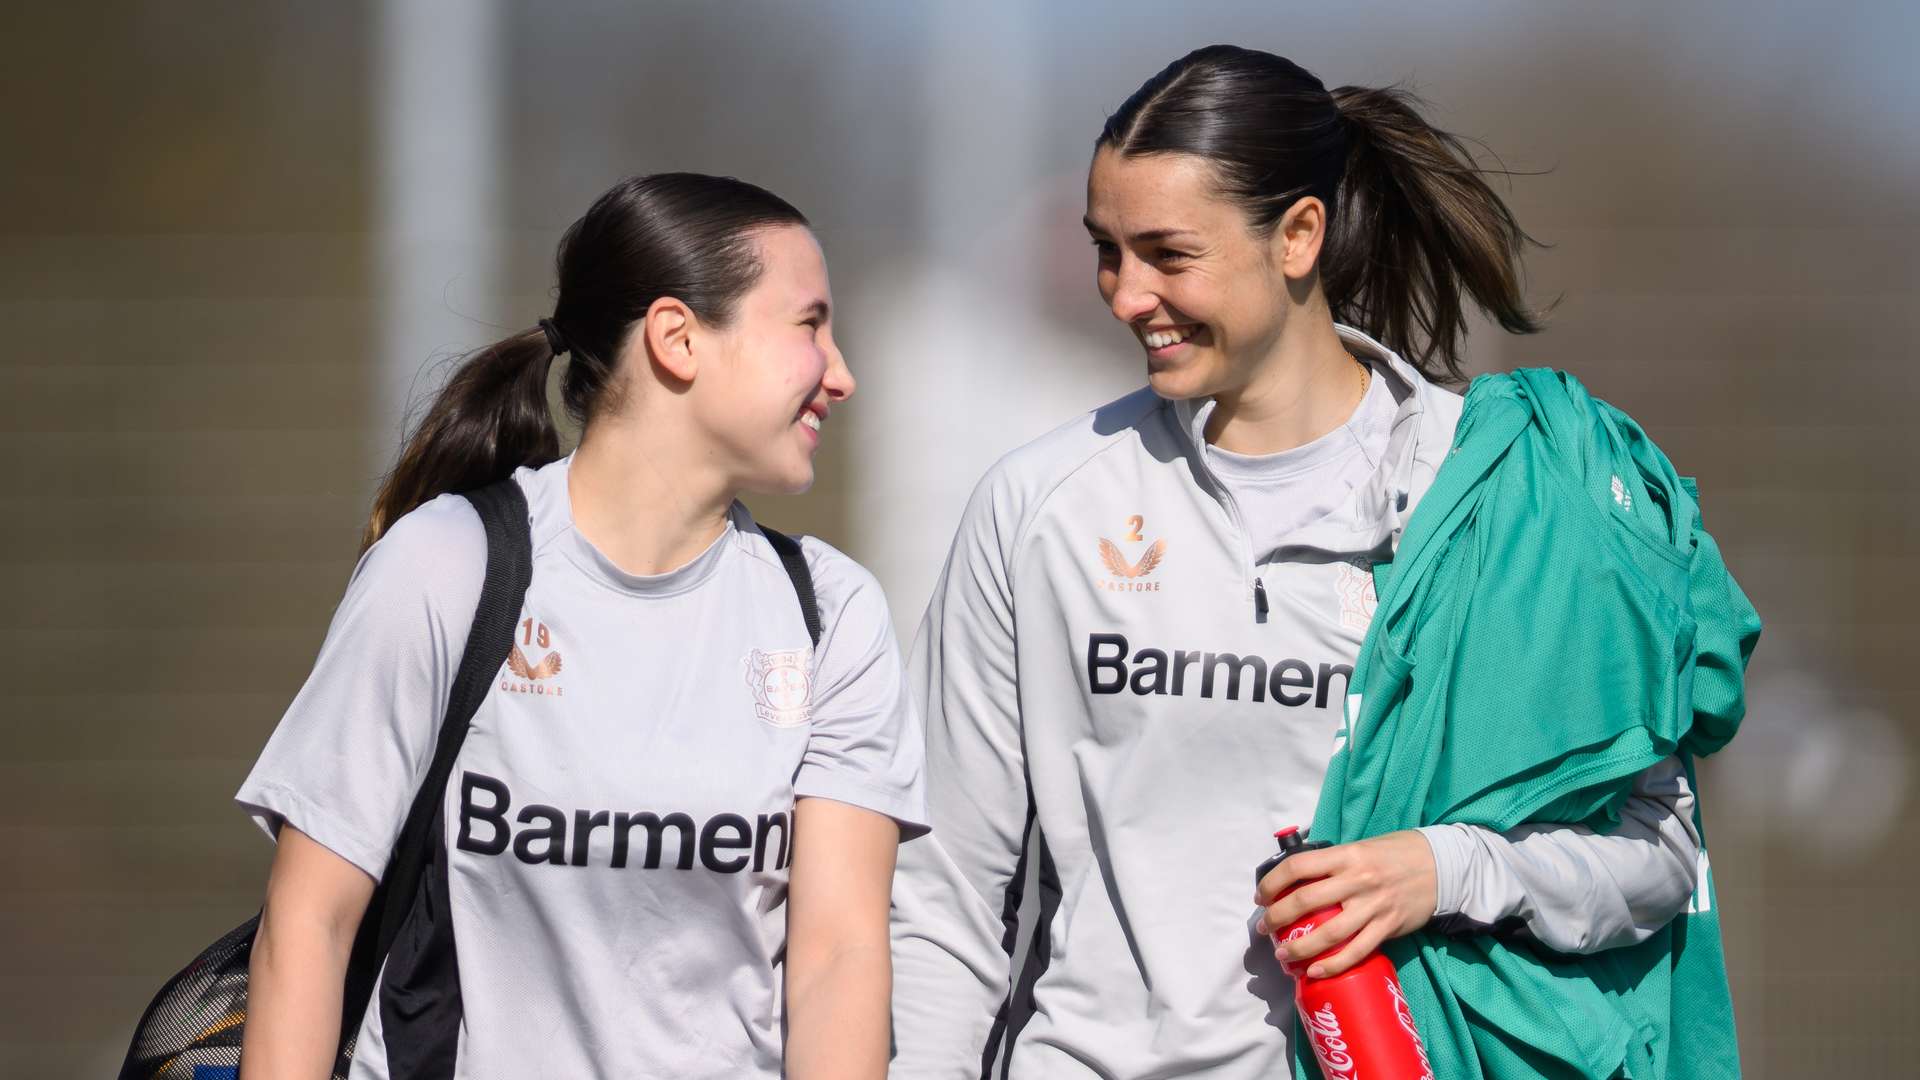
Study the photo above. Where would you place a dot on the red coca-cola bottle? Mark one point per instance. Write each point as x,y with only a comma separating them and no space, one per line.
1359,1022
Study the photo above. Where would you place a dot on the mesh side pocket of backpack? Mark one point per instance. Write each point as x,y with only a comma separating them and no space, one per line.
192,1029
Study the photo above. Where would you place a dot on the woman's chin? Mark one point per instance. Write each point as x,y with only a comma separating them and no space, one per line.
1177,384
791,479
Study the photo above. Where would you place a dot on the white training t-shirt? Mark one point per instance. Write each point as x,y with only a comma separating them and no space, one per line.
1279,493
619,820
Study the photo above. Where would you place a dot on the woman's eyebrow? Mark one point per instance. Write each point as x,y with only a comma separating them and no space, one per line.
1148,235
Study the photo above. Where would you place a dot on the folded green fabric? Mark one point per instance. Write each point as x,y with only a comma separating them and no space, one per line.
1555,620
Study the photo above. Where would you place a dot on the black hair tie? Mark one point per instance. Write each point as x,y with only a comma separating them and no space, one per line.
555,340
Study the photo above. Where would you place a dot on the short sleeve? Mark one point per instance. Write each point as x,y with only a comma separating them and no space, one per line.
347,757
866,748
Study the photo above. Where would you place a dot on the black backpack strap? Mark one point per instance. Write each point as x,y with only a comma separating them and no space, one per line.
503,512
795,561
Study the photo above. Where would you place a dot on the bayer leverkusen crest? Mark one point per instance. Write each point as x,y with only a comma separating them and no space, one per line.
1354,583
782,685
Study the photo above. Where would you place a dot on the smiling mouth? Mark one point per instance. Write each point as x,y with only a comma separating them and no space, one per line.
1169,336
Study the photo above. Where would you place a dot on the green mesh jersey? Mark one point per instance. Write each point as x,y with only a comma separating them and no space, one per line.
1558,587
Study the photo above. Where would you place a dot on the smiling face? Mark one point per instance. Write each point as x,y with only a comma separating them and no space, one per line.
775,371
1205,295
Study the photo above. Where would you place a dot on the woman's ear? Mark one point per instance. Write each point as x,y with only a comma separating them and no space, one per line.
668,330
1297,239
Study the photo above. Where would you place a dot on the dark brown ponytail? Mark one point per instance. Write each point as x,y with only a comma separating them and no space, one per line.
670,234
1411,222
1418,226
490,419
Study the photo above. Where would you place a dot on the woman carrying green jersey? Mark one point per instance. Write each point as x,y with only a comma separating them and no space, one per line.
1141,657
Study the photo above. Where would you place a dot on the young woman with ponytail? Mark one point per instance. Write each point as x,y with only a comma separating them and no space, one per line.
1136,663
670,831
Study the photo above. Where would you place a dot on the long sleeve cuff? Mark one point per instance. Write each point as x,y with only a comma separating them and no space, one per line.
1454,849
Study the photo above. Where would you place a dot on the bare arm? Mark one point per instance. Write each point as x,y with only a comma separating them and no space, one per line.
315,900
839,973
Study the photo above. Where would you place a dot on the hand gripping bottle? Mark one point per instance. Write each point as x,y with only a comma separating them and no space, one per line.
1360,1024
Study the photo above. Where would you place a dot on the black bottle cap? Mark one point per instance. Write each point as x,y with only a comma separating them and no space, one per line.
1293,841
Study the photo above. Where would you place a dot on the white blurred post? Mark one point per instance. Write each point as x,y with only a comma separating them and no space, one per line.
439,76
972,368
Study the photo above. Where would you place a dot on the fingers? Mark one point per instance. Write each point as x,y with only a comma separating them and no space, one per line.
1304,867
1367,879
1356,950
1324,937
1305,900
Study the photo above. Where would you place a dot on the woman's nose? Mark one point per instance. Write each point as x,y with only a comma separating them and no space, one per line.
838,382
1132,299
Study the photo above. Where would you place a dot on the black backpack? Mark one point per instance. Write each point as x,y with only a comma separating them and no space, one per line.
192,1030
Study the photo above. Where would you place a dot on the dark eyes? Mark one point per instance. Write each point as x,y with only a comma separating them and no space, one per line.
1109,250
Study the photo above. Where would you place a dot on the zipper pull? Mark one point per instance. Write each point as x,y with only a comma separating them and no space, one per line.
1259,601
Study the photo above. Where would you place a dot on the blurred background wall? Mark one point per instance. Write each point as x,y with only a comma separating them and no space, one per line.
238,240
